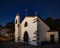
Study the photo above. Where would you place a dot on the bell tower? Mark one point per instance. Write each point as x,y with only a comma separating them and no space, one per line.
17,28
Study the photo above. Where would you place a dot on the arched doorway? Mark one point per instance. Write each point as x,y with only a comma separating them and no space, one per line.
25,38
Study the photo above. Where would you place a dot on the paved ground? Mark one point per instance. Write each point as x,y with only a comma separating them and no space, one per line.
20,45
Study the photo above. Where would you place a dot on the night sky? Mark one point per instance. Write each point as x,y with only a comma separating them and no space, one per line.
45,8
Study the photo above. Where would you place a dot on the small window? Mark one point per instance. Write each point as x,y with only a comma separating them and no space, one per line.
18,25
34,37
34,20
34,32
25,25
16,21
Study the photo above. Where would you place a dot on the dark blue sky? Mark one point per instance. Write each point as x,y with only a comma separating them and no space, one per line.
45,8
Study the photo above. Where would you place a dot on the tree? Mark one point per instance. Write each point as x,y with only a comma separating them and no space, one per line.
53,24
10,29
1,28
10,26
49,22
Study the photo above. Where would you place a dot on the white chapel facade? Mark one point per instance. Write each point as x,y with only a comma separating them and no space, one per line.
32,30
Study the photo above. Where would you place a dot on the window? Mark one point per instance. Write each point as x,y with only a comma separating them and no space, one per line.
34,20
34,37
18,25
25,24
35,32
16,21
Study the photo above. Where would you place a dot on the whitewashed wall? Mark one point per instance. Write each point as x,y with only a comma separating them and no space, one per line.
42,29
31,28
17,29
55,33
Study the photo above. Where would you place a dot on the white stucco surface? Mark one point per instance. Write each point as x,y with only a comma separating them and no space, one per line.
55,33
17,29
31,28
42,29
